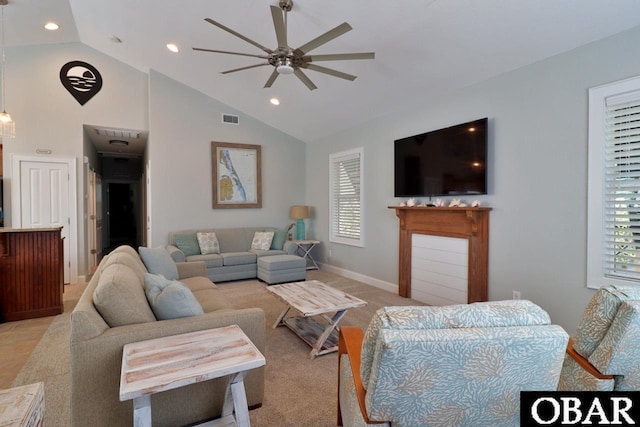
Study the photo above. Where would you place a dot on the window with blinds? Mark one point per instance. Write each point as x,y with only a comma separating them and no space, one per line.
613,216
345,174
622,187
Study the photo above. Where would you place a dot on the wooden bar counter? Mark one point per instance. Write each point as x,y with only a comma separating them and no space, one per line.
31,273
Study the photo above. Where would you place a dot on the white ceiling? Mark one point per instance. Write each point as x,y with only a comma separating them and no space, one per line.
423,47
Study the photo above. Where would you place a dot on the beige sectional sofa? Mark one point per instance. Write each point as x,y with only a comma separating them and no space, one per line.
96,347
236,260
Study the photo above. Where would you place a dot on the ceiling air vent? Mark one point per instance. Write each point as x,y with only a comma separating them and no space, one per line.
230,119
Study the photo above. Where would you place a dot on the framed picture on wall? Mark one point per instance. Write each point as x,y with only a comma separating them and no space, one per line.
237,175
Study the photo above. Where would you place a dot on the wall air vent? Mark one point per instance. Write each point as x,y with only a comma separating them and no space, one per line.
230,119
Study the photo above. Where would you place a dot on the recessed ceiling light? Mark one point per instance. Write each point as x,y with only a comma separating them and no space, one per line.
274,101
51,26
173,48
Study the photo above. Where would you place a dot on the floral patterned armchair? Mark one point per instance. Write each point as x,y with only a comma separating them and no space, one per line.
603,354
459,365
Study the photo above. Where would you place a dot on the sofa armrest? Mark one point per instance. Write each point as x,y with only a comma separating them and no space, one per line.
191,269
584,363
290,247
176,253
350,343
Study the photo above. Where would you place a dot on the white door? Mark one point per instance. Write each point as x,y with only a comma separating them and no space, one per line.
44,200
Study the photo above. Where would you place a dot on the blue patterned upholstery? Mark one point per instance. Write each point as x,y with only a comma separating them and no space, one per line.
607,338
461,365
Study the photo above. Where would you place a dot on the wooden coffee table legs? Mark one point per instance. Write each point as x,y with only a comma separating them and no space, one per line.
322,340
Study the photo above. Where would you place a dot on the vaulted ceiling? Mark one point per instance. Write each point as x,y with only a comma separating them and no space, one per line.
423,48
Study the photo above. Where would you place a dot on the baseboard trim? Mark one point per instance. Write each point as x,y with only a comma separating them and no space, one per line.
367,280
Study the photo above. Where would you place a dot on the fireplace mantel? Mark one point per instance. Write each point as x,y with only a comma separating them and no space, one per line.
460,222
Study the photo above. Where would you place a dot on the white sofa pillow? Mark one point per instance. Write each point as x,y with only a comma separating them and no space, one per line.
262,240
208,243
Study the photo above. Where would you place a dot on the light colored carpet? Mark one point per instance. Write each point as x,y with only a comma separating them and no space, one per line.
298,391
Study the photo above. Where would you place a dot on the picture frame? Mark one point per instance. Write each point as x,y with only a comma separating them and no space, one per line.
237,175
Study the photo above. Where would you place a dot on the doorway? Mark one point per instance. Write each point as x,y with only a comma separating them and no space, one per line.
123,213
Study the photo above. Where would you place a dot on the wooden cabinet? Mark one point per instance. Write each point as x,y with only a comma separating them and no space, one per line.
465,223
31,273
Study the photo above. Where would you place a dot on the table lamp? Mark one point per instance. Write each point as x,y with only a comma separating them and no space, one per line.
299,213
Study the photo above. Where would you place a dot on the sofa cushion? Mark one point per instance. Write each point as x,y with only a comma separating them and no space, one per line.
208,243
158,261
262,240
268,253
187,243
124,257
238,258
170,299
212,300
210,260
119,297
233,239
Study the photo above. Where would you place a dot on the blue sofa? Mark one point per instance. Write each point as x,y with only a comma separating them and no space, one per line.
236,259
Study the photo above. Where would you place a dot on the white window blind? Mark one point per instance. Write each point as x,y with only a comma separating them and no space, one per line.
622,187
345,170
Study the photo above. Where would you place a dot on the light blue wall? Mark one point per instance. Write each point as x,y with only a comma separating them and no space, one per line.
537,181
48,117
182,125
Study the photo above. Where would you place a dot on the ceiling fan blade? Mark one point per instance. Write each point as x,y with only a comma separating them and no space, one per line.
324,38
244,68
230,53
229,30
272,78
331,72
280,26
303,77
339,56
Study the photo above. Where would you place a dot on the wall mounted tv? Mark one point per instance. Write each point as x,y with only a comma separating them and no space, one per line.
444,162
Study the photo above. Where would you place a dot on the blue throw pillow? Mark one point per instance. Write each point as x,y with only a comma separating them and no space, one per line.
187,243
279,237
170,299
158,261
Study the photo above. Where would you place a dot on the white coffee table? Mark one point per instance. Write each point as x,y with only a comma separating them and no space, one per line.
166,363
314,298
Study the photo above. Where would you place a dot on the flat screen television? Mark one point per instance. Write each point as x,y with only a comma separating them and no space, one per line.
445,162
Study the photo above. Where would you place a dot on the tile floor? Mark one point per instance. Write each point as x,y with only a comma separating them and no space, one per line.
18,339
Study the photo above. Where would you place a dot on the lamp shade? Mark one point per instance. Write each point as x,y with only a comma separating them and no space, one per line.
299,212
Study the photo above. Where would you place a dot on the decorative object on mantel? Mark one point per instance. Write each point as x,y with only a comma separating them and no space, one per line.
299,213
82,80
475,203
454,203
411,202
7,125
439,203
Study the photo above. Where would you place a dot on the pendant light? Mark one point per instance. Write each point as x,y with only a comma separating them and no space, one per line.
7,125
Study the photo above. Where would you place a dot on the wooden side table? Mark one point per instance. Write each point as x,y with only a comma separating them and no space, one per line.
22,406
304,250
166,363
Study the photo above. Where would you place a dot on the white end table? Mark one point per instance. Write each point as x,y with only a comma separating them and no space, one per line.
166,363
304,250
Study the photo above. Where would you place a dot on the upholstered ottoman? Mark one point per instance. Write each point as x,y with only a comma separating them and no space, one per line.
281,268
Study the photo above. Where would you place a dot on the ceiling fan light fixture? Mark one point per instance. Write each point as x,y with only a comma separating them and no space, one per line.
284,66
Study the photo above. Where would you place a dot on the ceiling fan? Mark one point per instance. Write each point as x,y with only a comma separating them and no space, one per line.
286,60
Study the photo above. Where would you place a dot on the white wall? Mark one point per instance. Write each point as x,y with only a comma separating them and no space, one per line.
537,181
183,123
48,117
